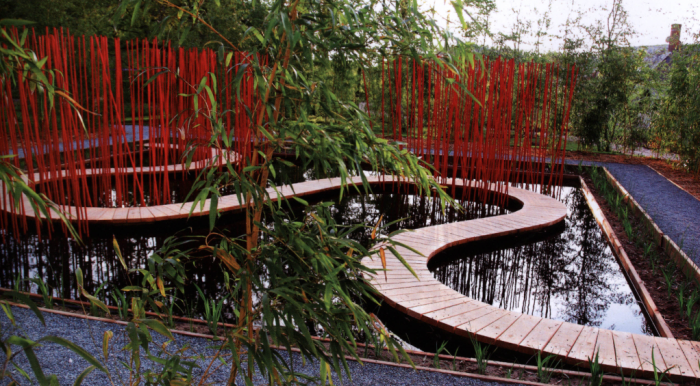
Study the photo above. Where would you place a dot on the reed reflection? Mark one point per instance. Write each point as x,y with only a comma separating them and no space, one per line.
571,276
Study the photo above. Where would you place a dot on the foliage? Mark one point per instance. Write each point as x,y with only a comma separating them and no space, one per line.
596,378
677,119
482,353
545,366
292,277
613,81
12,341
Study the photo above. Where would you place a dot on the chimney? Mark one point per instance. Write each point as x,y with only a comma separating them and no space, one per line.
674,41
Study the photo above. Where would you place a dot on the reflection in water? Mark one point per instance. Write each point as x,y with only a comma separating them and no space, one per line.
409,211
55,260
572,276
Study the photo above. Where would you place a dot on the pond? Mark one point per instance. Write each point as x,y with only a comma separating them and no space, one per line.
568,273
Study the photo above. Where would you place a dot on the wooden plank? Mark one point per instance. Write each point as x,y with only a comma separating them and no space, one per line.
419,302
120,215
107,215
517,332
147,215
583,350
94,213
159,214
673,357
692,355
627,357
412,288
484,321
435,306
540,336
451,312
173,210
605,348
422,295
134,215
644,345
463,320
490,333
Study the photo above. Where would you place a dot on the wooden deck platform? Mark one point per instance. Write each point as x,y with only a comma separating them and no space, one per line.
426,299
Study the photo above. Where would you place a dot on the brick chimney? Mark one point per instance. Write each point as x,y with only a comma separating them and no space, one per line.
674,41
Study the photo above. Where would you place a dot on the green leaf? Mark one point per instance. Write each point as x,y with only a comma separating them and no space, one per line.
15,22
213,211
8,311
28,345
95,301
22,298
157,327
81,377
76,349
300,200
403,261
118,252
106,337
79,276
135,14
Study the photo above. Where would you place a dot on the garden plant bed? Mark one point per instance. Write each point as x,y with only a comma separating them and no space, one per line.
652,277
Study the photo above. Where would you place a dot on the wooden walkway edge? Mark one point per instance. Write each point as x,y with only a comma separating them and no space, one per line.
429,301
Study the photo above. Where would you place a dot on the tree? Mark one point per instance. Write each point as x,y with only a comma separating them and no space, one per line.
608,76
306,271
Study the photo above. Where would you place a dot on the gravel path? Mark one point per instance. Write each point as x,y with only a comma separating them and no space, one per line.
88,334
676,212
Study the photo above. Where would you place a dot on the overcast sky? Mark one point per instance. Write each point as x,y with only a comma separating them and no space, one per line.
651,19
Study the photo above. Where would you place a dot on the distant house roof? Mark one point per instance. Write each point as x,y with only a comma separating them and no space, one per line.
657,55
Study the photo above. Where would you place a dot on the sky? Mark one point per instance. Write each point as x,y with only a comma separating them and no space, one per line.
651,19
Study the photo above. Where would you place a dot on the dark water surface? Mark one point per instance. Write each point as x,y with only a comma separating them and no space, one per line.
55,260
569,274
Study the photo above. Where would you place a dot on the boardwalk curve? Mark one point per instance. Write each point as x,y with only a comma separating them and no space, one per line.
427,300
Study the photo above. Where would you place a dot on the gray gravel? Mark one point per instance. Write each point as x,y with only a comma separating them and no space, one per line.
88,334
675,211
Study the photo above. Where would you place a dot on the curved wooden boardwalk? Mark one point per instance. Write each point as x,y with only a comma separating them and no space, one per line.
428,300
106,216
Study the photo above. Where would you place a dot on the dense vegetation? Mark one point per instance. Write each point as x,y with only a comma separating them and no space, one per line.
287,273
624,99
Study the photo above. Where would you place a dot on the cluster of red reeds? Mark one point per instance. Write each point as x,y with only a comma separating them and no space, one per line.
495,122
136,118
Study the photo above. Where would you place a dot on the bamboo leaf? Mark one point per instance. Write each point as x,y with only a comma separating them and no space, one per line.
213,211
158,327
28,345
118,252
81,377
95,301
76,349
106,337
382,255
